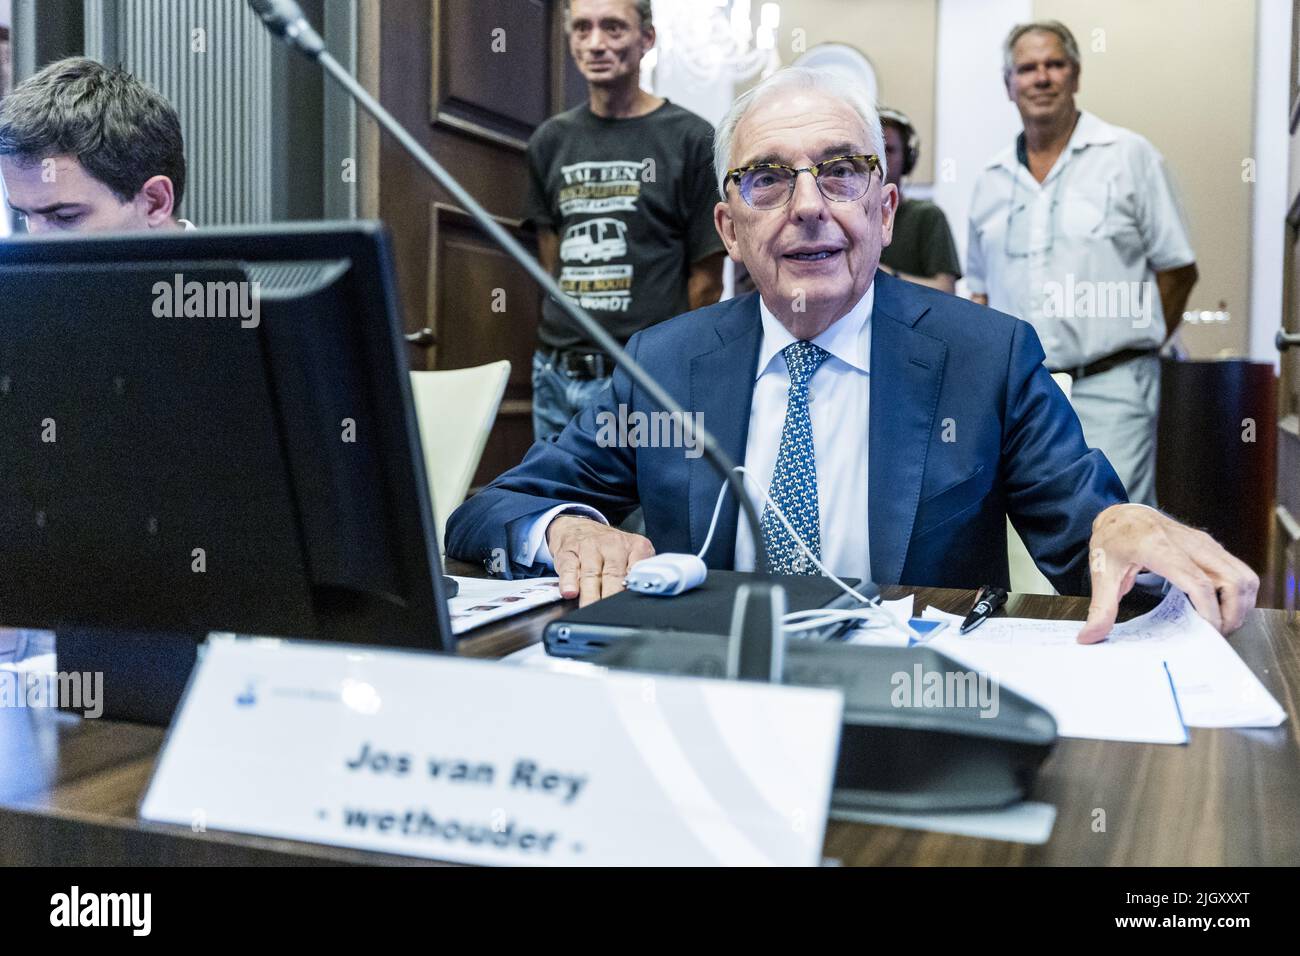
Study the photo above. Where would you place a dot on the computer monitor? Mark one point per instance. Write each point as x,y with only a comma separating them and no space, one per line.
209,431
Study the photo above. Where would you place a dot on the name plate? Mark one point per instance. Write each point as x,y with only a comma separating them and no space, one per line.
482,762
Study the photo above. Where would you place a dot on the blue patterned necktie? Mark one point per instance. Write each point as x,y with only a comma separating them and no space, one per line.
794,478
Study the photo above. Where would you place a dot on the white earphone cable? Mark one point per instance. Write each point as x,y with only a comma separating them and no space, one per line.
819,617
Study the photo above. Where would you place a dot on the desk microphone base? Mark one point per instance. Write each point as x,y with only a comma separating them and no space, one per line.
921,734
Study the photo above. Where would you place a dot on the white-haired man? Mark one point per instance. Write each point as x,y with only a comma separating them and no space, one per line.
895,426
1075,229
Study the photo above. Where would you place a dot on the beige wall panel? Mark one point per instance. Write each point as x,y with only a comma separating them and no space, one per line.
897,36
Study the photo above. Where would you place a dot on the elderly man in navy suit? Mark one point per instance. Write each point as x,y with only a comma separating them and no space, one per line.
895,426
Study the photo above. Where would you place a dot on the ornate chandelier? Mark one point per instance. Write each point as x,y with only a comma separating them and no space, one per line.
714,40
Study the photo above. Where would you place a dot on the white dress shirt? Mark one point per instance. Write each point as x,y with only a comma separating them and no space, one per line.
1076,255
839,404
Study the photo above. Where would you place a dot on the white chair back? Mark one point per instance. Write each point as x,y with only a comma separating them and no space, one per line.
1025,576
456,410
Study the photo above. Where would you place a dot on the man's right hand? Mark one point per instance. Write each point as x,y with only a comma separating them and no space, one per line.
592,558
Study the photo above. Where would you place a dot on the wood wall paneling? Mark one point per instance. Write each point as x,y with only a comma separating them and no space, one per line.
1282,581
1207,474
478,301
491,67
474,110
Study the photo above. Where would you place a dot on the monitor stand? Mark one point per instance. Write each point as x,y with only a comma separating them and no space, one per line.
144,673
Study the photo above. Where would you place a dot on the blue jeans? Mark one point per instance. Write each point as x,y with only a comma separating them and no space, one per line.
557,398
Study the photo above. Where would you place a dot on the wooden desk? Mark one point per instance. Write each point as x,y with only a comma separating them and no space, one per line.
70,788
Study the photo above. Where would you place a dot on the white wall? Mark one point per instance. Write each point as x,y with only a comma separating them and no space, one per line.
1272,80
6,13
709,100
973,117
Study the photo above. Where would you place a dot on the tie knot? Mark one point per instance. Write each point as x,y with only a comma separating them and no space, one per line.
803,359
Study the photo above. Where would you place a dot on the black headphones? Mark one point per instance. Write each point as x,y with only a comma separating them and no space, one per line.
911,138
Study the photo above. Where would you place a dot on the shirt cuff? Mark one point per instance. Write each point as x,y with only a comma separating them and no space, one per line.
534,549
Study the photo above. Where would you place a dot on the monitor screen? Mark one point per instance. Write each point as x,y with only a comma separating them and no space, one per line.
213,431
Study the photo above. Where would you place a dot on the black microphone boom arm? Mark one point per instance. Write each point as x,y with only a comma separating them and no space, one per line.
285,19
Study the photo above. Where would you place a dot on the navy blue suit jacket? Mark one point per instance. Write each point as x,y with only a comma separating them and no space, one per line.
966,427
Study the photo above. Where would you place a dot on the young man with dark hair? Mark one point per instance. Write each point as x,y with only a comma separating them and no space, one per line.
89,148
621,195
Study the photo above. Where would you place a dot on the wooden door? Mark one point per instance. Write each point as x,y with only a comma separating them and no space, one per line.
1286,548
471,80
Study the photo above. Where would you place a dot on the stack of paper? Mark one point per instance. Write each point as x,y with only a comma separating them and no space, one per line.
482,600
880,635
1151,676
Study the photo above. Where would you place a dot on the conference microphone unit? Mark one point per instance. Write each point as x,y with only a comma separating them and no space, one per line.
921,733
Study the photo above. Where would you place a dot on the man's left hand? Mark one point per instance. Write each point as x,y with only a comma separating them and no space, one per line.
1128,538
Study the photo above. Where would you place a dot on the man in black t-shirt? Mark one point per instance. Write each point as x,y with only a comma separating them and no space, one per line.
922,249
621,192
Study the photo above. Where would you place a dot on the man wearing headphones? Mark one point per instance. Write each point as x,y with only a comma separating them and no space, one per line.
922,249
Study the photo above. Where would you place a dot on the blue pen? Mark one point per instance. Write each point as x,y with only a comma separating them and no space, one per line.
1177,707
